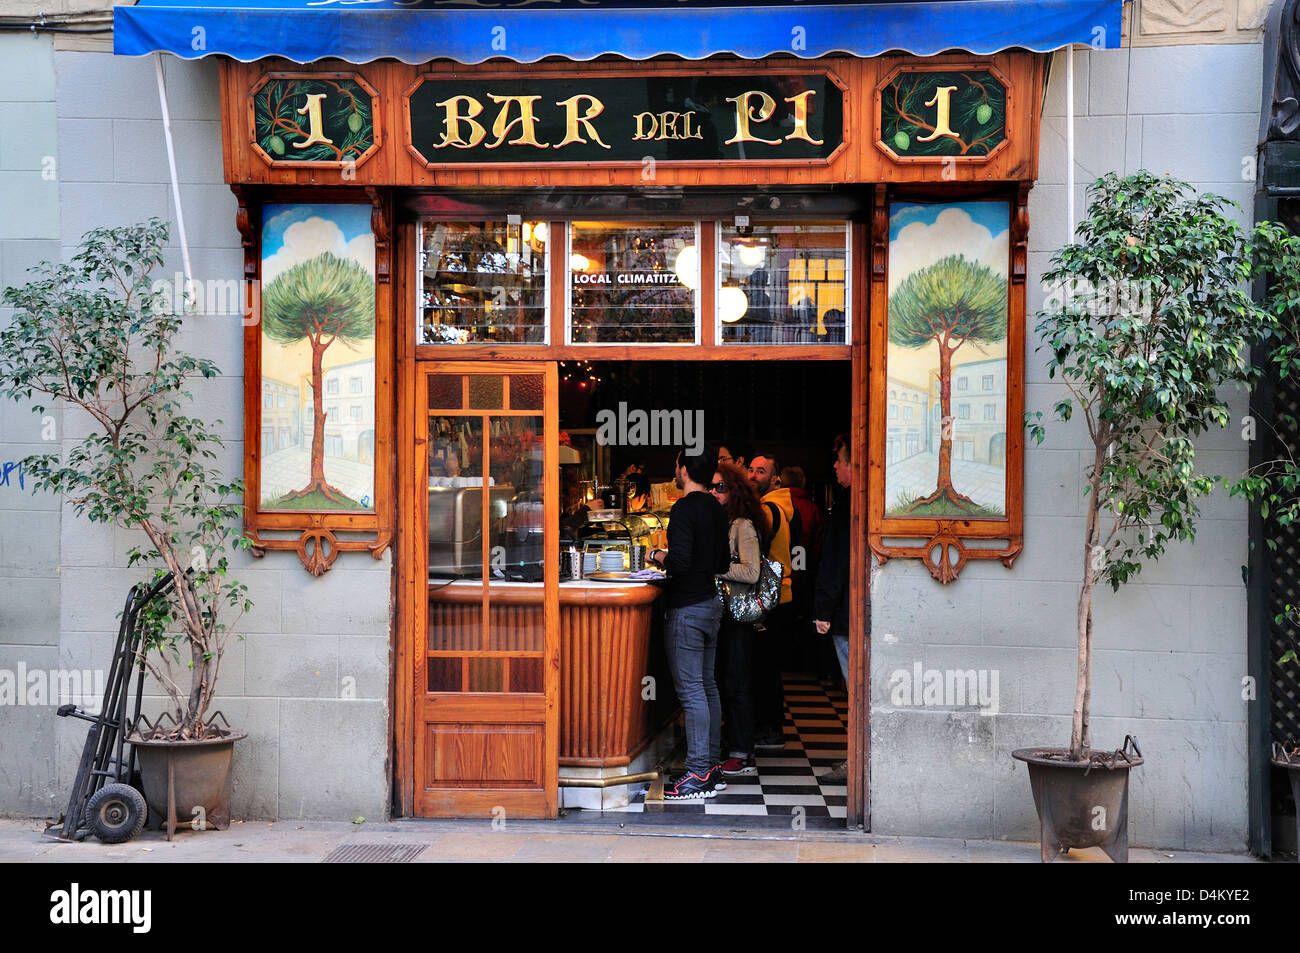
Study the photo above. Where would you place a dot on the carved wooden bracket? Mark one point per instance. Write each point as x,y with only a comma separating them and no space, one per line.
880,233
945,553
379,224
318,546
1020,234
248,221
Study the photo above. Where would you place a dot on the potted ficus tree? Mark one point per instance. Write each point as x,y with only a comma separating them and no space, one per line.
95,335
1148,319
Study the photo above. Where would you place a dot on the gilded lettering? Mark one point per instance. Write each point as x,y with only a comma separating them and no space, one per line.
668,125
641,132
315,124
941,100
745,114
454,119
800,104
687,132
526,121
572,120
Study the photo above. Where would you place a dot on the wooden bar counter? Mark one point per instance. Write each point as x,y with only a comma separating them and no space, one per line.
605,632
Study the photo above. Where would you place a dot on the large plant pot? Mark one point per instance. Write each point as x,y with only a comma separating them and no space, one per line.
188,782
1292,766
1080,804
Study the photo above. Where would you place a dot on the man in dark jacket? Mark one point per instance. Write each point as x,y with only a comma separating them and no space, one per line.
697,551
831,598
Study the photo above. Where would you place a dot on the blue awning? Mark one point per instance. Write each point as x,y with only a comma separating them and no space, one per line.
416,31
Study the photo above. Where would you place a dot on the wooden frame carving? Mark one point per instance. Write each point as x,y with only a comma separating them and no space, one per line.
675,69
317,536
946,543
334,78
942,65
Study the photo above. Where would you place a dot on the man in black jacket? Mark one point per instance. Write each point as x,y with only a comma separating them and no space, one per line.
831,598
697,551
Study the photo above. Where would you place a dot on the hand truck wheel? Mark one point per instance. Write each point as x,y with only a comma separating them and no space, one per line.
116,813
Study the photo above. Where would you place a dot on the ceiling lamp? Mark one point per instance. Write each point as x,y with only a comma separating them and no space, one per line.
687,267
579,262
751,256
732,305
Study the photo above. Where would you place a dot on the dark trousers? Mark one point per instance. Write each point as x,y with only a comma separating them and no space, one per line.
736,684
770,648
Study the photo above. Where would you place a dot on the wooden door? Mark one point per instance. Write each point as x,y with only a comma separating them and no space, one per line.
486,645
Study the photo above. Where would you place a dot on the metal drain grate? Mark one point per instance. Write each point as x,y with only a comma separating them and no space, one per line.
374,854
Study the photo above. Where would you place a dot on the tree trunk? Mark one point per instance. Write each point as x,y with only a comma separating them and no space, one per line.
191,708
1081,727
317,481
318,410
944,484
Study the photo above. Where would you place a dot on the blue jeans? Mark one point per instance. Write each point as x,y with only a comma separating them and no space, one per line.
691,641
842,653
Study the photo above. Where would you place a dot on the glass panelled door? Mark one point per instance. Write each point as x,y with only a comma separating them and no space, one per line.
487,640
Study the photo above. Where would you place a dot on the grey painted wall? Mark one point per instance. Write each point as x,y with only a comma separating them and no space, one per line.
29,522
1170,649
309,682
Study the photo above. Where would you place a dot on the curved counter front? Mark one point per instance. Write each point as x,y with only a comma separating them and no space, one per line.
605,632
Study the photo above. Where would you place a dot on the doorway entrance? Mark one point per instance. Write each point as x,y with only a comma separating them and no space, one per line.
790,413
486,649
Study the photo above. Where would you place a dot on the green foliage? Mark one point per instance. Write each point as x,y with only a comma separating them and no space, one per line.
1272,485
91,333
1148,318
954,299
321,299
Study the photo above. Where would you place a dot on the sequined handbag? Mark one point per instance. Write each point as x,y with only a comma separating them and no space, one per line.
751,602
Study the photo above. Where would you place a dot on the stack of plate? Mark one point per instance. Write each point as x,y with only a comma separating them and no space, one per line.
610,560
588,563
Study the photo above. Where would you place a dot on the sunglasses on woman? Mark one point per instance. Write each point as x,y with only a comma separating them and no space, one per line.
718,487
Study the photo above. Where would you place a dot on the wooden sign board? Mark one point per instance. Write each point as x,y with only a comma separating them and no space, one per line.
778,122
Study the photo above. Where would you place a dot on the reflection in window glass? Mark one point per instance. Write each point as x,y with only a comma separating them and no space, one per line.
784,284
483,282
633,282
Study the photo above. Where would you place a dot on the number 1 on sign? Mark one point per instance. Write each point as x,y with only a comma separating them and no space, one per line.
942,100
316,126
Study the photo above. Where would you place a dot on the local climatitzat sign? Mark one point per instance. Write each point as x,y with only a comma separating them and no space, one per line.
627,119
649,278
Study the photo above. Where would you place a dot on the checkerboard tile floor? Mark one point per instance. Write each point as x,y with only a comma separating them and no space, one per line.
816,739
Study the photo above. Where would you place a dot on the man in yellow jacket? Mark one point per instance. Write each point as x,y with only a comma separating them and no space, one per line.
772,643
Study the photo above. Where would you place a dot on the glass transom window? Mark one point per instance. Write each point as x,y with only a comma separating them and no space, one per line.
783,284
483,282
633,282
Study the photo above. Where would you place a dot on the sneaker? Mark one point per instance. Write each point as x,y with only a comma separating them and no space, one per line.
836,775
772,742
689,787
717,778
734,767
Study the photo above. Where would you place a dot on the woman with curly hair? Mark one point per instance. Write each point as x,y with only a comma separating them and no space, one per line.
749,536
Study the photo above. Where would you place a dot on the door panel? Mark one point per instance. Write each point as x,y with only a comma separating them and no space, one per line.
487,640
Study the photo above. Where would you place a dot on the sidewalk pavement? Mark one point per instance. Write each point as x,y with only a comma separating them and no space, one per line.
439,841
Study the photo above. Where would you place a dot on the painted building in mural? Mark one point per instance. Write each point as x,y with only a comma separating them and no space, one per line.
314,679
